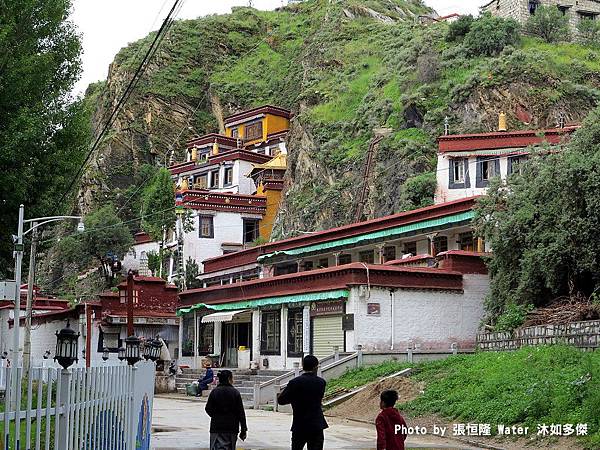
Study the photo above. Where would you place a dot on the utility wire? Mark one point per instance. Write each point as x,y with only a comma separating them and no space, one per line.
132,84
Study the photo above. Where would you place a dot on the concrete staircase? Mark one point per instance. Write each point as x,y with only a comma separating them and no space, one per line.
243,380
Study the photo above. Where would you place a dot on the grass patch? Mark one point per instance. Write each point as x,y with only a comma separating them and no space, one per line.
531,386
564,54
359,377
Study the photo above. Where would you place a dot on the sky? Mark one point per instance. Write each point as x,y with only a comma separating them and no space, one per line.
107,26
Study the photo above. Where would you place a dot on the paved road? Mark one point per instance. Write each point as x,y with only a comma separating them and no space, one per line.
182,424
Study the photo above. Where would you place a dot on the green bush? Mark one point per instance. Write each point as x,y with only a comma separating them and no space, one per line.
589,32
549,24
512,317
459,28
489,35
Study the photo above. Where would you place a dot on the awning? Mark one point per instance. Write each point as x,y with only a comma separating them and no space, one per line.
247,304
222,316
376,235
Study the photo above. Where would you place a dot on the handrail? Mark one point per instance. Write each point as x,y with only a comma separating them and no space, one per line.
281,381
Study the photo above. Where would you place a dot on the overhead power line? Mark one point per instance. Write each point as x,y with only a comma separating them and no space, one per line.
132,84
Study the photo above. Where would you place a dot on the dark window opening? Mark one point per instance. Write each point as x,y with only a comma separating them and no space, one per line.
488,170
295,333
235,133
284,269
389,253
201,182
214,179
466,241
344,259
533,5
251,230
516,164
228,176
206,227
410,247
366,257
440,244
270,333
308,265
323,263
205,338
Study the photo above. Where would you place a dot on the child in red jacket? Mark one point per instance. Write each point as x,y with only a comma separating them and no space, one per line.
390,424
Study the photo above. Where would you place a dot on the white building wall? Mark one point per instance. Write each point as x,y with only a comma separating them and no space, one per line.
444,194
228,227
432,319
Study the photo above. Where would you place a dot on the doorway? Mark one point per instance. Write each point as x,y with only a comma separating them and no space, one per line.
235,335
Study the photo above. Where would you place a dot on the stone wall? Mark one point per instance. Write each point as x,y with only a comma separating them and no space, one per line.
585,335
519,9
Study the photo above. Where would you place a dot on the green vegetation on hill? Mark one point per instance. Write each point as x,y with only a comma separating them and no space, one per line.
553,384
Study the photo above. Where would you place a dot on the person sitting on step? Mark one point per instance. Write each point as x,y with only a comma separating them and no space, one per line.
208,377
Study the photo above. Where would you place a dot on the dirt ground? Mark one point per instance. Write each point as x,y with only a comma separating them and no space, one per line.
364,407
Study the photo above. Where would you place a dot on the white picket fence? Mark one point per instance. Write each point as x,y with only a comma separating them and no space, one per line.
99,408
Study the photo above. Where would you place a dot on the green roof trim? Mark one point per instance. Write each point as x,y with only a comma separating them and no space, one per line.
390,232
246,304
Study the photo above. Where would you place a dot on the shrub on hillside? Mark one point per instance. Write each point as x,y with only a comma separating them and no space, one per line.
589,32
489,35
548,23
459,28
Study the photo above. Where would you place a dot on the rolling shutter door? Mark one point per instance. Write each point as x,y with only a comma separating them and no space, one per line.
327,333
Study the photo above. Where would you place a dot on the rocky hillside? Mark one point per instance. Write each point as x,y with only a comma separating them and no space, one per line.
345,68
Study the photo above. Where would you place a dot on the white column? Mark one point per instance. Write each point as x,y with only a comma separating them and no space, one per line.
306,330
217,338
180,338
283,336
256,336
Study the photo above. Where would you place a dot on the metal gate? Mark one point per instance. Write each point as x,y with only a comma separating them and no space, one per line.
326,334
106,407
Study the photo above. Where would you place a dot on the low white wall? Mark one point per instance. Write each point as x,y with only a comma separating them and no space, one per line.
431,319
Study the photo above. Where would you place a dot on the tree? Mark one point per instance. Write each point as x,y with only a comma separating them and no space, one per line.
548,23
489,35
43,134
159,205
459,28
542,226
589,32
106,238
192,270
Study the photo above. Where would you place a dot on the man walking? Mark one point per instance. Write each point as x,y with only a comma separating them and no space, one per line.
305,394
226,411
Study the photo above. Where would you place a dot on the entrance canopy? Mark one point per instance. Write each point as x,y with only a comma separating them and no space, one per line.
295,298
224,316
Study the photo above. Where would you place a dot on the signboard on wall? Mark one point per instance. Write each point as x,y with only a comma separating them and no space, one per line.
373,309
326,308
348,322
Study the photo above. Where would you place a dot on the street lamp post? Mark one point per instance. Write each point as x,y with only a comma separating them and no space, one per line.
19,247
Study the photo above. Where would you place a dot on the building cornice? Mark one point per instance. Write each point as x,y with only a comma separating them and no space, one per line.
217,201
504,139
250,256
266,109
331,278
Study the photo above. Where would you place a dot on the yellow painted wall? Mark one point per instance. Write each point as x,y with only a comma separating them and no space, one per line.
270,124
275,124
273,199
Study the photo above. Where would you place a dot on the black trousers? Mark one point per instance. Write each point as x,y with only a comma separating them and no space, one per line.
313,441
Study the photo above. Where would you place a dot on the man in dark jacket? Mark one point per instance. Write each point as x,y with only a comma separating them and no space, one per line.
305,394
226,411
